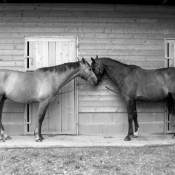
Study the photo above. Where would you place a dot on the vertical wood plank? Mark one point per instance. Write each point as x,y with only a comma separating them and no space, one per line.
65,51
45,54
54,116
72,51
72,105
55,105
40,55
171,55
32,53
58,104
59,53
68,120
52,53
64,106
68,117
45,63
39,59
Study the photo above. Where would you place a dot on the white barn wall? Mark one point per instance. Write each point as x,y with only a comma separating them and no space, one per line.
130,34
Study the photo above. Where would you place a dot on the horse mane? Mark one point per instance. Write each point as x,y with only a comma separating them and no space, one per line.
118,62
60,68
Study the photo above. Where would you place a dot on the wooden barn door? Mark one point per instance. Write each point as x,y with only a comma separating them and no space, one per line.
62,112
169,62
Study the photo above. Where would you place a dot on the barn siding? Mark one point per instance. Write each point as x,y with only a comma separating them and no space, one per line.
131,34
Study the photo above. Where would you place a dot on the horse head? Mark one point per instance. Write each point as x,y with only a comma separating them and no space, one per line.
87,73
97,68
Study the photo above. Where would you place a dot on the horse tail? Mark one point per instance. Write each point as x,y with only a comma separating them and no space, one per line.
171,104
171,108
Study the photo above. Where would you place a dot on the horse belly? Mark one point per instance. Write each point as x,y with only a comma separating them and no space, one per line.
22,94
152,92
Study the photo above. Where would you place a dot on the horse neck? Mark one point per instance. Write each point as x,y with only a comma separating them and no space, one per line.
115,69
69,72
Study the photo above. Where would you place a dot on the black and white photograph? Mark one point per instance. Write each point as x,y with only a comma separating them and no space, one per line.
87,88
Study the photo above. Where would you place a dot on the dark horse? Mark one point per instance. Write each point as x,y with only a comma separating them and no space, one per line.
39,86
135,83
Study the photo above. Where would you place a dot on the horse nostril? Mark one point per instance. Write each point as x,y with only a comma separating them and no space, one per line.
96,83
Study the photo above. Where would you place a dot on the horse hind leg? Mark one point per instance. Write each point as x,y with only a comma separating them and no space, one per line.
171,109
4,136
130,109
136,133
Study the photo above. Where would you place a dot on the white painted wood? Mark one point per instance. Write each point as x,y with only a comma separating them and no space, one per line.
60,116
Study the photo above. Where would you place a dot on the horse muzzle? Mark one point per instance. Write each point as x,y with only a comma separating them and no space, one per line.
93,80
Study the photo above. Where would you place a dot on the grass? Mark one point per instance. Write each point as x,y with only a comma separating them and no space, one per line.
79,161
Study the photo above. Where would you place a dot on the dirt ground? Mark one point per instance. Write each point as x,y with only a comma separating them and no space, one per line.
156,160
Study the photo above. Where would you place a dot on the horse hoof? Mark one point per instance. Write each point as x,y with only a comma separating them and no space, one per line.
8,138
2,140
134,136
38,140
127,138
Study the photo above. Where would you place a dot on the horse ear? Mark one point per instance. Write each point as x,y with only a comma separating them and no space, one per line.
83,60
93,60
96,56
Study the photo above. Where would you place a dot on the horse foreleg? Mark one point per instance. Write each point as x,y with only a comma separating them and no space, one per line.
130,109
4,136
41,114
136,133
